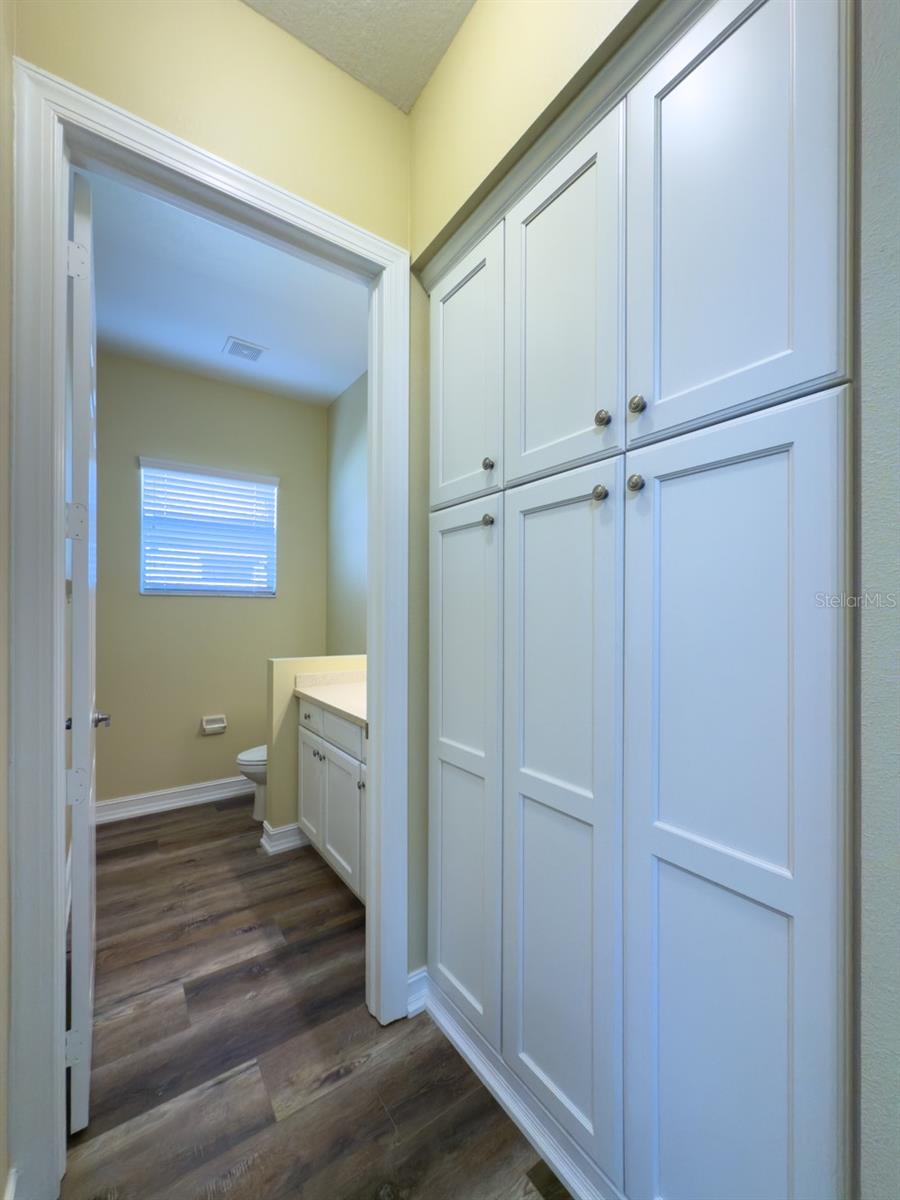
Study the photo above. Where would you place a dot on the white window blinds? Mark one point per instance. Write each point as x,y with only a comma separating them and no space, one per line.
206,532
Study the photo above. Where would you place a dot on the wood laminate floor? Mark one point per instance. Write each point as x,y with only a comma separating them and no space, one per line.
233,1053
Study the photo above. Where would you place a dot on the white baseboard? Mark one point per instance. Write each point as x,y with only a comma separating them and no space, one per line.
9,1192
145,803
567,1160
417,991
277,838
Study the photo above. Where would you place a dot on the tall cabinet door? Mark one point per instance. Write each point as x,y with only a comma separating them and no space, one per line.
467,375
735,215
734,809
565,319
562,1020
464,769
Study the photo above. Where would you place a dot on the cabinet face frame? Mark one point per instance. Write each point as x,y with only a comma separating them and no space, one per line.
479,942
585,811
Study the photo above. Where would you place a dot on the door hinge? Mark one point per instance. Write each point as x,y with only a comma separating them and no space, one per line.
76,785
76,521
74,1048
76,260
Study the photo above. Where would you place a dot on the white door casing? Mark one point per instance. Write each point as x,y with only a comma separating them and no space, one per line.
735,779
565,309
467,375
82,525
562,994
736,251
464,851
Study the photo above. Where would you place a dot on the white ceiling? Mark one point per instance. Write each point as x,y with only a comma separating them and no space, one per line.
392,46
173,286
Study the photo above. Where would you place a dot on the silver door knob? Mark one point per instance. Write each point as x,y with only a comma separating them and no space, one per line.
600,492
487,464
635,483
100,718
602,417
637,404
487,519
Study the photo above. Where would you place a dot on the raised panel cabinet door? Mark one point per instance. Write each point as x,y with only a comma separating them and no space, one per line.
736,243
464,887
467,375
341,804
309,784
565,309
735,809
562,985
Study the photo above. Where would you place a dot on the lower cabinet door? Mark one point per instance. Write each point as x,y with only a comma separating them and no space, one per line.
464,856
735,807
309,784
341,811
562,1001
363,833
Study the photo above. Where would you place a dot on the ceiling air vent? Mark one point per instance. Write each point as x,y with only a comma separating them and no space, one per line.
241,349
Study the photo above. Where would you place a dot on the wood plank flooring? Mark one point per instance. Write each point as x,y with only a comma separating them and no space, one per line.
233,1052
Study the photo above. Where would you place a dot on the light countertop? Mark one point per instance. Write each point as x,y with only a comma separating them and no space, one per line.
344,697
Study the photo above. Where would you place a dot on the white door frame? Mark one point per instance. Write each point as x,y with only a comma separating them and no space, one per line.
58,125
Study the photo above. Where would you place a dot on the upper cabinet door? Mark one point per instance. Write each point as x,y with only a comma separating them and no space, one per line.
736,248
467,375
565,320
562,997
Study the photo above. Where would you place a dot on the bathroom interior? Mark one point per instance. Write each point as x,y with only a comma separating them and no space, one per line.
232,527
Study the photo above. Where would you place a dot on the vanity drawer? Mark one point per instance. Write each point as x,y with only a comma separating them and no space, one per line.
343,733
310,716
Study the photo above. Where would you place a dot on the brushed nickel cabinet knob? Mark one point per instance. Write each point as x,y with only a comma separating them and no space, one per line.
602,417
637,404
487,519
635,483
487,464
600,492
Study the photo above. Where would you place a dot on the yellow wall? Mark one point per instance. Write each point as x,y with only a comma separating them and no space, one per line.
164,661
221,76
348,524
6,202
509,61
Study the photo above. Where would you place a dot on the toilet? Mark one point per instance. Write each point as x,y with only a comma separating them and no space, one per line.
252,764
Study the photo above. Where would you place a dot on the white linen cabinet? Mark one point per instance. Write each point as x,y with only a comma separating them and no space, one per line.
565,309
464,867
562,994
467,375
735,780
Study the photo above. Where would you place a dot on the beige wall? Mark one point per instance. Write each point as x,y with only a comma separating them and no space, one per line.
491,93
6,52
880,572
348,524
164,661
221,76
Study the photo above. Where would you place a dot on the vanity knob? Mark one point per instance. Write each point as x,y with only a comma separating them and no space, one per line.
635,483
360,785
487,463
487,519
602,417
637,404
600,492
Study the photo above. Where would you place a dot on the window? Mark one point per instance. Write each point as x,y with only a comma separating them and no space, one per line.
206,532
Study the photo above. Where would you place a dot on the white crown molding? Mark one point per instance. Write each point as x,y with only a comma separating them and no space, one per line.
143,804
277,838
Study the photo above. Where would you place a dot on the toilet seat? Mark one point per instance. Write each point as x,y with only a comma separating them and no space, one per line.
254,757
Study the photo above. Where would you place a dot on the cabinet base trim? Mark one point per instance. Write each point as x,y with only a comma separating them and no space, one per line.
277,838
563,1157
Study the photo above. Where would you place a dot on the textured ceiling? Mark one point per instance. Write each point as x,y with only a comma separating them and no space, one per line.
392,46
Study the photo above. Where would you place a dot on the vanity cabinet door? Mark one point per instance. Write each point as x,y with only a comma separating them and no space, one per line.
363,833
565,309
467,375
736,216
341,809
309,773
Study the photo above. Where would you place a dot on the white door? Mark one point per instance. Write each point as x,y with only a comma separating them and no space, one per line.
565,318
467,375
464,851
735,215
340,805
82,529
562,1007
310,781
734,809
